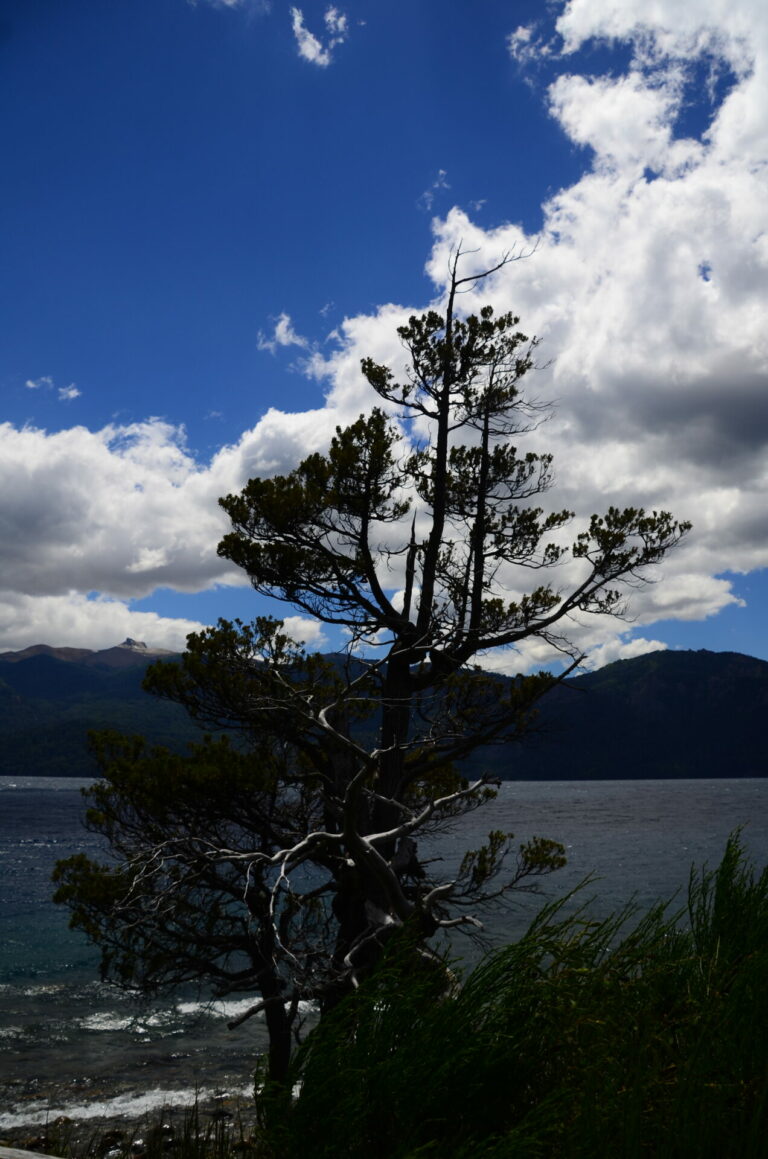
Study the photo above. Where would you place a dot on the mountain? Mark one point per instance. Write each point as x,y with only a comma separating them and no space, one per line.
129,654
51,697
665,714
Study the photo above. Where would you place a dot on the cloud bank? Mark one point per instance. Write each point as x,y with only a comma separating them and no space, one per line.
91,520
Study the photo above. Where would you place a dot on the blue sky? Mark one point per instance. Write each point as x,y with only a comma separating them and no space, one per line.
210,212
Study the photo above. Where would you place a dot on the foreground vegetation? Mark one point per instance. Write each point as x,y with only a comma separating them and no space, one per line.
637,1035
623,1037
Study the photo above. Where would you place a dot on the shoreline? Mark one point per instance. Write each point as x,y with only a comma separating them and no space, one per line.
120,1119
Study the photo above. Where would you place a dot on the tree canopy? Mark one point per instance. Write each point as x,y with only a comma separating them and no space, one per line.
420,534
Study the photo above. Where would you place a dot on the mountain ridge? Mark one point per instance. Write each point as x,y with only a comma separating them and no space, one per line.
118,656
665,714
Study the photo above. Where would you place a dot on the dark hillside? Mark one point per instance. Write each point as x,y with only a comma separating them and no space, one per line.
50,698
666,714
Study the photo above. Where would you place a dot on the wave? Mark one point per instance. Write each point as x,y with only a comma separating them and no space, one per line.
106,1020
230,1008
126,1106
174,1018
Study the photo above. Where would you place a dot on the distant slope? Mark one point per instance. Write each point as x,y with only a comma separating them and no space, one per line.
665,714
51,697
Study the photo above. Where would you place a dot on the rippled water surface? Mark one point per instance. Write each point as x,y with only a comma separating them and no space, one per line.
70,1043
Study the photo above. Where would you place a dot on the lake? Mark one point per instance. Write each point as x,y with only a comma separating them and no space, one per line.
71,1044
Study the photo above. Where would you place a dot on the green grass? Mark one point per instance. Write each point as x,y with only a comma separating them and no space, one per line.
580,1040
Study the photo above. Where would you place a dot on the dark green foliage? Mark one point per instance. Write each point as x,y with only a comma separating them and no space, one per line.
619,1038
184,898
415,533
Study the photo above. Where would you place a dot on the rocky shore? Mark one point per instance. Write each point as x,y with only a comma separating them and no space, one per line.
123,1123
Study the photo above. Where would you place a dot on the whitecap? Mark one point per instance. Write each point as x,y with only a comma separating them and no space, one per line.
230,1008
106,1021
218,1008
129,1106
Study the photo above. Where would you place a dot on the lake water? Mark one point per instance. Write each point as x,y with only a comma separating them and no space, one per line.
71,1044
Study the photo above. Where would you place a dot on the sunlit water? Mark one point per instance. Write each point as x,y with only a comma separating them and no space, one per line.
71,1044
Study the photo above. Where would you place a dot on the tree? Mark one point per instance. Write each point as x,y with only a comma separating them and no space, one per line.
163,910
414,534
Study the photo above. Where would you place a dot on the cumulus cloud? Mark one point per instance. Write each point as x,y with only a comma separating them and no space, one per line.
621,649
121,512
311,47
732,31
118,511
649,289
126,509
305,631
73,620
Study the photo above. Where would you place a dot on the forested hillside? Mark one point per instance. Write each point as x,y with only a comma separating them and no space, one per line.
50,698
665,714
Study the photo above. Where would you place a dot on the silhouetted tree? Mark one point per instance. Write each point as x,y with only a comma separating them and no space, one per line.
414,534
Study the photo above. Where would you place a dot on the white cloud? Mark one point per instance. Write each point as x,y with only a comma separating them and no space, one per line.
87,511
336,23
148,559
120,512
649,287
667,29
518,42
72,620
305,631
310,47
45,382
283,335
525,47
427,199
620,649
624,120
